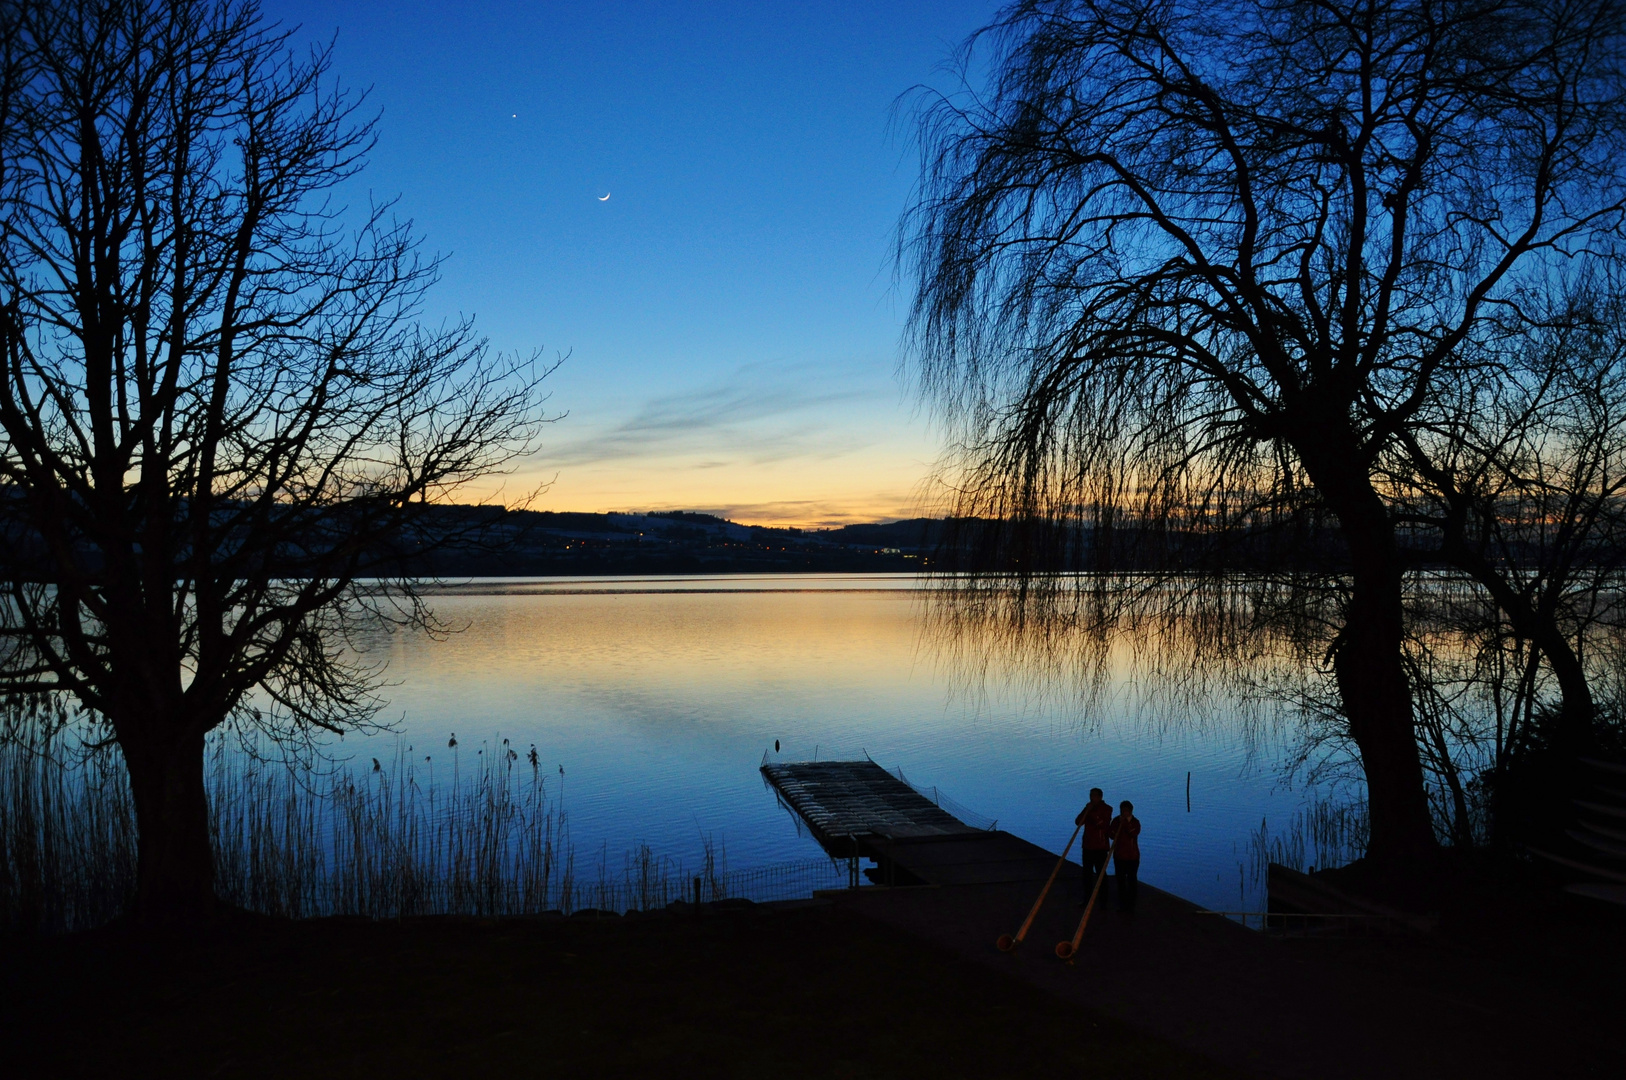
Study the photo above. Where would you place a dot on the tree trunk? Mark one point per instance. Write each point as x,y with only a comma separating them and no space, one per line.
1574,735
1368,663
175,878
1377,702
1462,829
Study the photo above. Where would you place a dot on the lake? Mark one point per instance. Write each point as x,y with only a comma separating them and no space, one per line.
659,697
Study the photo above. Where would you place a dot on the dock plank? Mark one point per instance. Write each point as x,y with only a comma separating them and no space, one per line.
842,799
857,808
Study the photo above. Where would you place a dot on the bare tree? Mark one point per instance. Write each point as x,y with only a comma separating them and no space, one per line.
1520,483
1203,266
1521,479
221,419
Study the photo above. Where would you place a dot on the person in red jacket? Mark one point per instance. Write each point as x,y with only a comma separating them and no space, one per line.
1096,817
1126,854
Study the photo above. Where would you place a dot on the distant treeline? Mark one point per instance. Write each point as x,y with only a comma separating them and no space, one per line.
491,541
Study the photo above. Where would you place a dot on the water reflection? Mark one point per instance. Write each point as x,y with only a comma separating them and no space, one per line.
658,697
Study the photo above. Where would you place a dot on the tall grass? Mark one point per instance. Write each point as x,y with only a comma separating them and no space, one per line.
382,841
388,842
1323,834
67,837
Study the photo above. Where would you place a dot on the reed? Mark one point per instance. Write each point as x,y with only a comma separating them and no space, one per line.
1323,834
67,837
382,841
387,841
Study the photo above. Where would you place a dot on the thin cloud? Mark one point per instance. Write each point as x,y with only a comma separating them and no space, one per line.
723,418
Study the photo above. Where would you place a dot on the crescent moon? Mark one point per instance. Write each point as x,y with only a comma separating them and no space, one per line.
604,197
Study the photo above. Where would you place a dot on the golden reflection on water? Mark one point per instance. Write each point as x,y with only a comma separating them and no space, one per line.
659,699
649,638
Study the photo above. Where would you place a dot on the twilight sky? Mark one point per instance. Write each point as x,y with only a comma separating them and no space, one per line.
730,312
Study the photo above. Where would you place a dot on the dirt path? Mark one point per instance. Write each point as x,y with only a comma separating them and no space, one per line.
778,992
1293,1007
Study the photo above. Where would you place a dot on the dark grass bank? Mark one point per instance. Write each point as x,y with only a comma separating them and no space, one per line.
771,992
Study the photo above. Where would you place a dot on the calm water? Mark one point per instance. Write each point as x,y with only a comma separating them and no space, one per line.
659,697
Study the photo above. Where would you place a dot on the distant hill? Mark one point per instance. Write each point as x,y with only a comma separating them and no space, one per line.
490,541
494,542
916,534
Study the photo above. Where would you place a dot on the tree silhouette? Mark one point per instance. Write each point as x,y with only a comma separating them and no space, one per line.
221,419
1210,268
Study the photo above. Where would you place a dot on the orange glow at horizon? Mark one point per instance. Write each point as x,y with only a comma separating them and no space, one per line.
883,480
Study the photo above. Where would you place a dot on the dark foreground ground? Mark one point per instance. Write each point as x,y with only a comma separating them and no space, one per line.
1540,997
773,992
1518,981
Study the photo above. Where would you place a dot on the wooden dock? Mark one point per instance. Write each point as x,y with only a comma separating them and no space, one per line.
1290,1006
1294,1006
856,809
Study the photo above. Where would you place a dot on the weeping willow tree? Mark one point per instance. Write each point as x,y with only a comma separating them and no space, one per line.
220,417
1192,278
1523,485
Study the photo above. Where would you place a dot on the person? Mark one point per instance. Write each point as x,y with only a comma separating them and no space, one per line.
1096,817
1126,856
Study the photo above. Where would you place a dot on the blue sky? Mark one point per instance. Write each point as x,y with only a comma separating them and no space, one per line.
730,312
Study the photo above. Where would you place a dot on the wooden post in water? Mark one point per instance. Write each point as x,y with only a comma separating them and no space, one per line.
1188,791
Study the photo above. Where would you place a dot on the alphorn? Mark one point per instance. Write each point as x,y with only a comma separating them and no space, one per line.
1067,949
1006,943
